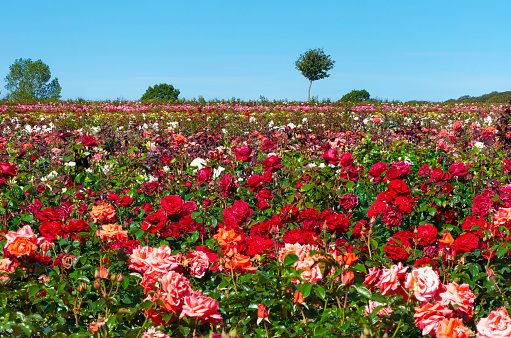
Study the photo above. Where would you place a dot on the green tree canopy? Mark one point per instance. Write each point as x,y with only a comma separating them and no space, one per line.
29,80
356,96
162,91
314,64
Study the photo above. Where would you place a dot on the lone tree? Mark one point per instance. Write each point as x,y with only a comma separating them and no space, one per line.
314,64
162,91
28,80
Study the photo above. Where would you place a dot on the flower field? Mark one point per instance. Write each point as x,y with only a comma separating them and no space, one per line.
248,219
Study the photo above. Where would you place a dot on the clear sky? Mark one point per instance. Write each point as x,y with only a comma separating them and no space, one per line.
396,50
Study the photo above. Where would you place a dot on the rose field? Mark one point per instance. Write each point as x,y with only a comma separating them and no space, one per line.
250,219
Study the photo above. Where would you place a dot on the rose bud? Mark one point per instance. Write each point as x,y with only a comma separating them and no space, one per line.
96,284
120,278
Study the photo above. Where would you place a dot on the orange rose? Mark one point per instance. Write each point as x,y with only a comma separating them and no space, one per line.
103,212
350,258
452,328
446,240
227,239
112,231
21,246
240,262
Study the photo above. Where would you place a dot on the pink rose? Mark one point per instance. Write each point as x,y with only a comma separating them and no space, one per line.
372,277
459,295
429,316
373,305
199,263
175,288
201,307
496,325
424,282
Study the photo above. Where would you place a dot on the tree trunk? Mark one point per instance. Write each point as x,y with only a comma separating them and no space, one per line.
309,93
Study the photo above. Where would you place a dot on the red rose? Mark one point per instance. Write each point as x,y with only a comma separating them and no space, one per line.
349,202
392,217
447,188
226,184
361,228
438,176
204,175
346,160
154,222
377,208
242,153
467,242
288,213
300,236
338,223
267,177
458,169
450,216
396,249
148,208
7,169
472,221
172,205
125,201
424,170
89,141
272,163
405,204
258,245
402,167
49,214
398,187
310,218
253,182
50,230
376,171
240,212
331,156
76,226
392,174
482,205
427,234
262,204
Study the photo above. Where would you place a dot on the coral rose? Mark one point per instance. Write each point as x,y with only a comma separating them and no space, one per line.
201,307
369,308
112,231
103,213
153,333
391,280
21,247
452,328
5,266
199,264
502,216
461,296
429,316
174,287
496,325
425,283
227,239
240,262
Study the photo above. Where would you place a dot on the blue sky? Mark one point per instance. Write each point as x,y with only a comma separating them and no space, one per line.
396,50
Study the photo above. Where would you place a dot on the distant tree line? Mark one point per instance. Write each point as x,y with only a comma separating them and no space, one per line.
493,97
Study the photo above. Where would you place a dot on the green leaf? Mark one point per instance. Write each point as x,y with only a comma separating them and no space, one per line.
474,269
307,187
27,218
501,251
290,259
432,211
363,291
320,292
350,184
305,289
360,267
184,330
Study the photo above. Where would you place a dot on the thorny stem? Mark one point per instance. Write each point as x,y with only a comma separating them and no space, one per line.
265,328
398,326
344,306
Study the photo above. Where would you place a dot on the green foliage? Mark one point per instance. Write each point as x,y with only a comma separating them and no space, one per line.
493,97
314,64
356,96
162,91
29,80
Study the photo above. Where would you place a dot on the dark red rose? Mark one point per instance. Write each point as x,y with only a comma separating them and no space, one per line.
506,166
269,145
424,170
258,245
331,156
89,141
148,208
392,174
376,171
398,187
361,228
49,214
240,212
112,197
472,221
392,217
467,242
206,203
226,184
262,204
188,208
265,228
288,213
482,205
267,177
351,173
272,163
166,159
204,175
154,222
76,226
338,223
50,230
398,249
7,169
426,234
447,188
405,204
346,159
377,208
458,169
402,167
253,182
300,236
242,153
450,216
172,205
125,201
349,202
311,219
438,176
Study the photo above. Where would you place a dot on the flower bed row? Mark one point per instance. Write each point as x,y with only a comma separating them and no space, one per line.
254,220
